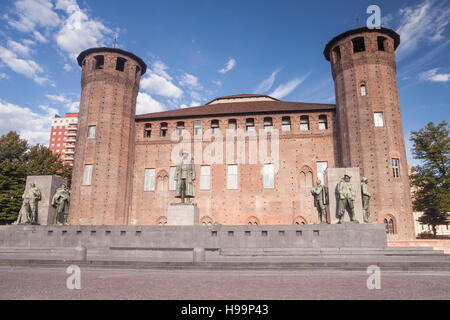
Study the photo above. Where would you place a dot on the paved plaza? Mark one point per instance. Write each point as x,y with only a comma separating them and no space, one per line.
98,283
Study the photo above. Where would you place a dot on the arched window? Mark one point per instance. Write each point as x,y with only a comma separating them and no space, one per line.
162,181
300,221
390,226
304,123
306,179
161,221
323,122
363,90
253,221
206,221
358,45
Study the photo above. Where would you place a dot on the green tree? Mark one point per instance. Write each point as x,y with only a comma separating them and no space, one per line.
431,179
17,161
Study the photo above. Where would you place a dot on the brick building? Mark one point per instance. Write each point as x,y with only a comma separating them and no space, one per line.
256,157
63,136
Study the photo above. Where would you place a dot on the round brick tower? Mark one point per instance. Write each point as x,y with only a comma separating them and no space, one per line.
370,133
102,172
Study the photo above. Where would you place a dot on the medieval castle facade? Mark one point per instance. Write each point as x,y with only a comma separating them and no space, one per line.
124,164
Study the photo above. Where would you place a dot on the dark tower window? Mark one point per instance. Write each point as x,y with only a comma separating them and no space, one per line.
120,64
381,41
304,123
363,90
336,54
137,71
148,130
99,62
323,123
164,129
358,45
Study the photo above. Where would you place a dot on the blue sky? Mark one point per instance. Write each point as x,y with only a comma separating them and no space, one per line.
198,50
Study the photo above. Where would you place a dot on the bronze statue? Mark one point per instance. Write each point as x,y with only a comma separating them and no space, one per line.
30,205
320,200
185,177
347,195
365,199
61,201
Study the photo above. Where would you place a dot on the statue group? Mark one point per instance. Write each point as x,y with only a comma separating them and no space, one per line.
31,198
346,197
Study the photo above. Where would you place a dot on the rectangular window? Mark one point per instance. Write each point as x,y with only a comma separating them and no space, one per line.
379,119
149,183
87,181
232,177
323,122
321,168
91,132
250,124
197,127
363,91
269,182
148,130
396,167
205,178
304,123
286,124
173,183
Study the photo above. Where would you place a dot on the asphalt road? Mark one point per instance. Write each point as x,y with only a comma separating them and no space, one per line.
41,283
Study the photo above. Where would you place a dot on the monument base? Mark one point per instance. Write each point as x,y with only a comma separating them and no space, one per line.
183,214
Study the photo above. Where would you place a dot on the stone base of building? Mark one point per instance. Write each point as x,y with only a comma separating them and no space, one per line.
183,214
307,247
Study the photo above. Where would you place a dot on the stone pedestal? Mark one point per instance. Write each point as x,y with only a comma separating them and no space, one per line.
48,186
183,214
332,177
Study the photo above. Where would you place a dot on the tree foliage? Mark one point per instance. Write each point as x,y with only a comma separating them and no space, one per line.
17,161
431,180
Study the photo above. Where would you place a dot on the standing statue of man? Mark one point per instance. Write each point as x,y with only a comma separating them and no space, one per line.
347,195
61,201
30,205
365,199
320,200
185,177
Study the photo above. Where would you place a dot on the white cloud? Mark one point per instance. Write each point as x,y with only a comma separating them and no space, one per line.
423,23
230,65
19,48
267,84
32,14
26,67
287,88
159,82
4,76
72,106
433,76
79,32
146,104
217,83
35,127
190,81
67,67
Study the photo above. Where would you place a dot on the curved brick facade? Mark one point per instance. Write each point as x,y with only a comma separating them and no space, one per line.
110,84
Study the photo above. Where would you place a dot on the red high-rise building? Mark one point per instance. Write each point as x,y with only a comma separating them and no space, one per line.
63,136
